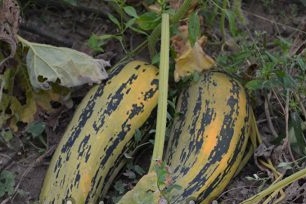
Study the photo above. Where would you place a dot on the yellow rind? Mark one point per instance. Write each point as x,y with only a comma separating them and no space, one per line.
100,131
208,138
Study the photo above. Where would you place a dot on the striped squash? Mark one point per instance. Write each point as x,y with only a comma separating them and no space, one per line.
209,137
100,131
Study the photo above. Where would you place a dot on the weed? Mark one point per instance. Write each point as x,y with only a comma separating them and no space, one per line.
7,182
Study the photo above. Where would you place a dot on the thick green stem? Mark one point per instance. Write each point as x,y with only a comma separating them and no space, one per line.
163,92
152,39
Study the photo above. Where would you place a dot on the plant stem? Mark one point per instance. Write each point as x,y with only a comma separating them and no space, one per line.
222,20
152,39
275,187
163,92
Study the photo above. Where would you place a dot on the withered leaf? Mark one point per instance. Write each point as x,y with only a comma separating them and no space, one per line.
62,65
9,22
189,59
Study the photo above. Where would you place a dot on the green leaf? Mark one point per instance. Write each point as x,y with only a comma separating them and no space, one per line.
36,128
62,65
194,28
114,20
138,136
254,84
139,170
96,42
7,182
296,135
301,63
156,59
285,165
130,174
273,58
130,11
284,44
161,173
119,187
130,22
7,135
148,20
285,79
231,21
71,2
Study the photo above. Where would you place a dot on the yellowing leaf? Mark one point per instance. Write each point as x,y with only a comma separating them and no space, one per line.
9,23
65,66
189,59
27,107
35,102
146,191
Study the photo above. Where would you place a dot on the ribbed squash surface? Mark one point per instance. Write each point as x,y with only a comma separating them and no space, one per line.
100,131
208,138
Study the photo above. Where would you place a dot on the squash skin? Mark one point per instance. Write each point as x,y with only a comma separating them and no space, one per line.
101,129
208,138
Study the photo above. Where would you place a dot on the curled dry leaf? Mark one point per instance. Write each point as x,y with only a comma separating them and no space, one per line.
25,104
9,22
189,59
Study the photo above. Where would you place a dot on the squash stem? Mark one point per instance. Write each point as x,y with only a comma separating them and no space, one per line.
154,36
163,92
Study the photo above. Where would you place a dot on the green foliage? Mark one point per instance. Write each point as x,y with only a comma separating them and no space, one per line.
130,11
36,128
194,28
120,187
71,2
6,135
296,135
140,24
96,42
148,21
164,180
7,182
227,14
272,68
138,136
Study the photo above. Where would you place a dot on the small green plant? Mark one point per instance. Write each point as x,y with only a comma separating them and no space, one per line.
129,19
7,183
35,132
164,180
6,136
71,2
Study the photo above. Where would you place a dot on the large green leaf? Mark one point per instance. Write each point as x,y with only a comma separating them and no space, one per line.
296,135
194,28
7,182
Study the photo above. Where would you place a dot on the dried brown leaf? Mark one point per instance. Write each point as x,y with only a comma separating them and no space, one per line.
9,22
189,59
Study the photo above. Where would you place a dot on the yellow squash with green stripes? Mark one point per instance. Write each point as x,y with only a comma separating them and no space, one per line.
100,131
209,137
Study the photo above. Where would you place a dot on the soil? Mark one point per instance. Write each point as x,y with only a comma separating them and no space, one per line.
57,23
